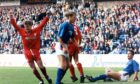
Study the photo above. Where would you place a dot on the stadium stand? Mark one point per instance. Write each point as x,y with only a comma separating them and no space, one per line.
105,29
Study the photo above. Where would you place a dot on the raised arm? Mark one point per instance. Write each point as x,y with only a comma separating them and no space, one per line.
13,21
42,24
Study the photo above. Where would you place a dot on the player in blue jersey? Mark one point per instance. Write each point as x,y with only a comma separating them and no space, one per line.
132,67
65,34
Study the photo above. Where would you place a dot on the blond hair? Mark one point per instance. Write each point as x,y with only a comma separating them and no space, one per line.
69,13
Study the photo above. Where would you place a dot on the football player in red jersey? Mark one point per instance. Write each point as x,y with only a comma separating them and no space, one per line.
31,43
73,53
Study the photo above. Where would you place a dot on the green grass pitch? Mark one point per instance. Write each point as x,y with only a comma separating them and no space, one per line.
23,75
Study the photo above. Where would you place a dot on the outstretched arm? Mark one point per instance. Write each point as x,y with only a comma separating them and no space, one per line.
42,24
13,21
135,78
136,70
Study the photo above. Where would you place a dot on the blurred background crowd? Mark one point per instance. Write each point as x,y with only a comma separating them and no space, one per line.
106,29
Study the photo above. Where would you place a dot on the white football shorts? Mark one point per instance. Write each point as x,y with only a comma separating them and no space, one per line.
59,51
123,76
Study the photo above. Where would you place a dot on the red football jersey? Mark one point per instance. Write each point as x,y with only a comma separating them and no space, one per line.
30,40
71,46
77,35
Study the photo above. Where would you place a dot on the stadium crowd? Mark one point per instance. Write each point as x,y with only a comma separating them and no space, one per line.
104,30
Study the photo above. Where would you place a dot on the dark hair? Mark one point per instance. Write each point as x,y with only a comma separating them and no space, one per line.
28,23
69,13
132,52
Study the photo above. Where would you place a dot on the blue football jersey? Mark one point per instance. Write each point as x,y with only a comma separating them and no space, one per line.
131,67
66,31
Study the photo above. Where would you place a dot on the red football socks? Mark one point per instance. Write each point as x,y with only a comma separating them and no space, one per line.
79,66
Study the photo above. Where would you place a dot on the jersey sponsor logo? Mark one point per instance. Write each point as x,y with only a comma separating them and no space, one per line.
31,37
70,33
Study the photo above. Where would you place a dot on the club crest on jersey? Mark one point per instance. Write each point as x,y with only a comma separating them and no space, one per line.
70,33
35,34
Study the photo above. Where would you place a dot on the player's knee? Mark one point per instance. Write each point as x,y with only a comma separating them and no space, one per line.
41,66
70,65
108,70
34,70
109,74
64,66
78,64
67,66
76,60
